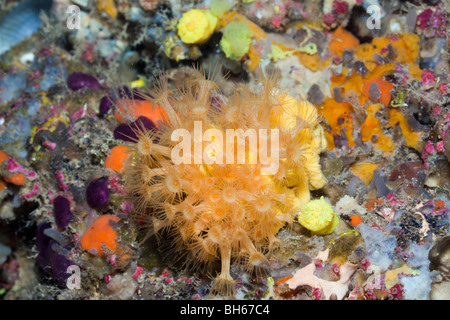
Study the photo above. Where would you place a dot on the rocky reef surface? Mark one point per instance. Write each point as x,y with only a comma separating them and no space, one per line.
376,72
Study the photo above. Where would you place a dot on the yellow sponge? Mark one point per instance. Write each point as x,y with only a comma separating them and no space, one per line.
236,40
318,216
196,26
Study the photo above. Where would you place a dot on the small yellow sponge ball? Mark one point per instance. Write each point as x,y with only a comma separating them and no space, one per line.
236,40
318,216
196,26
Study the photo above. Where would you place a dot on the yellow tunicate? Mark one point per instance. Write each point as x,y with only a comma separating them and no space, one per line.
196,26
318,216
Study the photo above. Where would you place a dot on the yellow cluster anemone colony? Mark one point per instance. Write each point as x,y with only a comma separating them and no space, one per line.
226,171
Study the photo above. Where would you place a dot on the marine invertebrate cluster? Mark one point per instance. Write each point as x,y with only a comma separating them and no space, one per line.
228,211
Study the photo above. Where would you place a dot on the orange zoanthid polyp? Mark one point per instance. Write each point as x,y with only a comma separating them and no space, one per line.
137,108
228,211
116,158
100,236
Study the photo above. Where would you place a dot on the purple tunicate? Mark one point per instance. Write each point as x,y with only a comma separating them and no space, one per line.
97,192
382,189
374,92
59,263
127,132
340,140
61,211
105,105
315,95
52,256
78,80
43,243
360,67
338,95
411,19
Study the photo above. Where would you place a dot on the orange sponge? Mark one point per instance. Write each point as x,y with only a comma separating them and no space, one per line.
372,130
338,115
355,220
100,234
3,156
116,158
18,178
384,86
342,41
139,108
412,138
